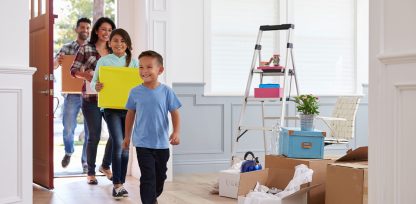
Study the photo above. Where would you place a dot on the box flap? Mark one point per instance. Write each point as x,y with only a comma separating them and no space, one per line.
301,191
359,154
354,165
249,180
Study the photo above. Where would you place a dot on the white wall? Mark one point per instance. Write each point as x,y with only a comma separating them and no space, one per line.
14,38
174,28
187,41
392,97
15,103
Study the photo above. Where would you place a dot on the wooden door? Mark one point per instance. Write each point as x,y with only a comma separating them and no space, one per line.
41,57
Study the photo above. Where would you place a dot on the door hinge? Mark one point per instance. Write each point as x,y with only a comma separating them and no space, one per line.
50,77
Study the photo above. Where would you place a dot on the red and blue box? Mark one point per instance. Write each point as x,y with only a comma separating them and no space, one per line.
295,143
268,91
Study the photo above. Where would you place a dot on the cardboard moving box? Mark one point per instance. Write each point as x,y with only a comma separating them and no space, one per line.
248,182
299,197
70,84
347,179
282,171
232,183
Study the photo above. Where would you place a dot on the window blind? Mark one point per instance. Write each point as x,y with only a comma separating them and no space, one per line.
324,43
234,28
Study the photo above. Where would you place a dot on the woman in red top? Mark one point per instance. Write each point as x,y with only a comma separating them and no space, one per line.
83,67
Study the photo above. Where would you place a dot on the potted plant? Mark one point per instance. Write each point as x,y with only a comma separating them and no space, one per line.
308,108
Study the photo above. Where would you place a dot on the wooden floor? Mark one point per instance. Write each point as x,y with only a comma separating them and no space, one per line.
185,189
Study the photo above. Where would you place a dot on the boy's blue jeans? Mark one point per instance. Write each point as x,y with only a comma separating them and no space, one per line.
152,163
94,116
72,105
115,122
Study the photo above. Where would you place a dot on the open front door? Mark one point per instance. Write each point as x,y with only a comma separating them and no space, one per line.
41,57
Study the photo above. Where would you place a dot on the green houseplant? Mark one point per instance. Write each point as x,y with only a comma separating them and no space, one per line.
308,108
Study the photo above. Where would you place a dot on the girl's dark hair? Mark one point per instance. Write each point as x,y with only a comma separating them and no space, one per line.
100,21
126,37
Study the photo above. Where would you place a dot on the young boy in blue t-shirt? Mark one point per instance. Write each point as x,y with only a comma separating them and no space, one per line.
149,104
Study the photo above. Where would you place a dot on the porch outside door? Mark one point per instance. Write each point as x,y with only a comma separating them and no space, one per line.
41,57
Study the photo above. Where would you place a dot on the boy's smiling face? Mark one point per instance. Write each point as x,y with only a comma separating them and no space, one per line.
150,69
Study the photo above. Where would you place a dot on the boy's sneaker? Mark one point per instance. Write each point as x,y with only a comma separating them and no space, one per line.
65,161
106,172
124,192
117,192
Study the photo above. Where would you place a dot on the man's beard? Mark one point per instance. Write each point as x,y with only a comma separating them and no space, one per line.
83,36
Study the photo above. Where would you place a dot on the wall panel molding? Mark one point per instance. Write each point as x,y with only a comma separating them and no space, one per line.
196,110
403,113
17,70
398,58
159,5
12,100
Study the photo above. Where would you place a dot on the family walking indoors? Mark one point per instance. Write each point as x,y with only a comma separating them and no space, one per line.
143,121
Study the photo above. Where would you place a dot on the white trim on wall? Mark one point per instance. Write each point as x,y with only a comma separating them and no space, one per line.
17,70
207,41
397,57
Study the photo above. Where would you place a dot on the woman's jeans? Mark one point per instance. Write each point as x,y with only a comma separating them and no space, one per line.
93,116
115,122
72,105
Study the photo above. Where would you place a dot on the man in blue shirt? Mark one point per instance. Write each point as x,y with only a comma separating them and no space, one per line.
72,102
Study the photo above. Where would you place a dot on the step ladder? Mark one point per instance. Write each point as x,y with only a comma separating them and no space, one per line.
285,72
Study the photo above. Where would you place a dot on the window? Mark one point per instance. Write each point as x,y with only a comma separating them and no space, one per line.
324,43
234,27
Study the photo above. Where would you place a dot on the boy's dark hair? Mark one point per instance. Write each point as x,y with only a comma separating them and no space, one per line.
100,21
83,20
153,54
126,37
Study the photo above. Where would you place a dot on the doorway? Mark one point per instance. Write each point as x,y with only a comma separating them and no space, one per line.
68,13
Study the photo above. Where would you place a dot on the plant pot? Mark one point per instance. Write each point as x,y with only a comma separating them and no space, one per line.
306,122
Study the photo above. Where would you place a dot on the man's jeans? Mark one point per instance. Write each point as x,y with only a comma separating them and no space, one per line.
72,105
116,123
93,116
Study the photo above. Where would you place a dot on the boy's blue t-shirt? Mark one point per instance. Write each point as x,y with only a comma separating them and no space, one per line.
152,107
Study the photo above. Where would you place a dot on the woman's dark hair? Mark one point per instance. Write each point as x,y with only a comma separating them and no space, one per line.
126,37
100,21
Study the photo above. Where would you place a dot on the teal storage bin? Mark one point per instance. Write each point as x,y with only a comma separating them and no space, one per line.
295,143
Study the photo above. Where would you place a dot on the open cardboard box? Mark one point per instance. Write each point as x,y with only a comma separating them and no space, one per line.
249,181
347,179
282,171
233,184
